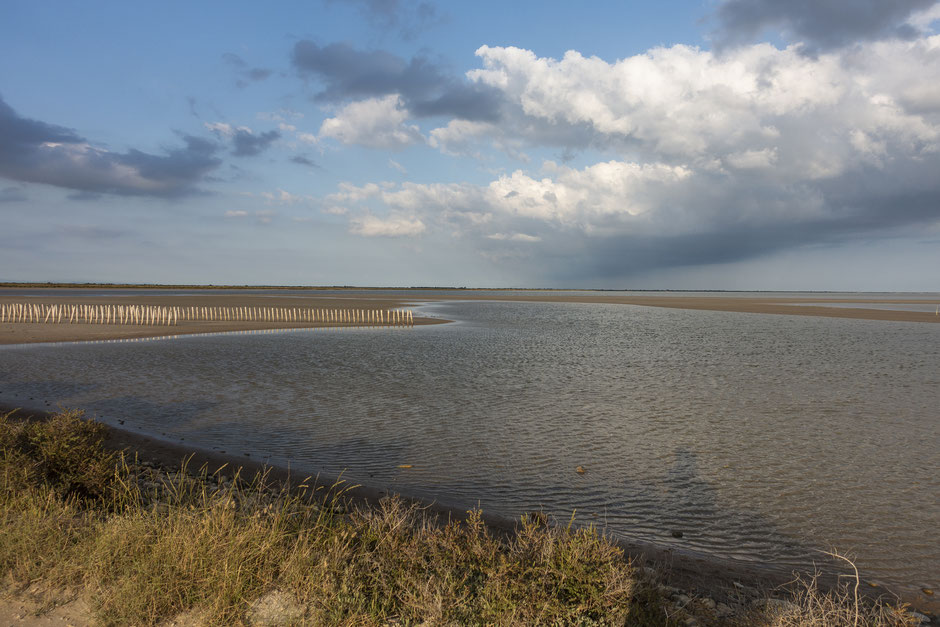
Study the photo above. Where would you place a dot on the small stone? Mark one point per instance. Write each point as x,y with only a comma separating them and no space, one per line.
927,591
723,610
924,620
683,600
691,622
676,533
580,470
708,603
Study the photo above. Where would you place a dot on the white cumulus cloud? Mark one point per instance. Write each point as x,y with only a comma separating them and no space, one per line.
374,123
394,225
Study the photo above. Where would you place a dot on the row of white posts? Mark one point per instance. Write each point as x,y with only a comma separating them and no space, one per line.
152,315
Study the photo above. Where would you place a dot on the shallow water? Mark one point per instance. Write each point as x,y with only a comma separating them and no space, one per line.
760,438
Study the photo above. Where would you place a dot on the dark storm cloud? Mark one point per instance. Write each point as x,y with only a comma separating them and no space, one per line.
303,160
247,144
820,24
863,205
37,152
347,73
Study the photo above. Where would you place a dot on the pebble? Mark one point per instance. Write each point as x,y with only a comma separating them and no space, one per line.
927,591
683,599
924,620
708,603
723,610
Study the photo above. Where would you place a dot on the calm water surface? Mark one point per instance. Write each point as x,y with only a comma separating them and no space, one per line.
761,438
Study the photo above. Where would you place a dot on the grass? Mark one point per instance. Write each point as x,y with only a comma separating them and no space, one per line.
147,546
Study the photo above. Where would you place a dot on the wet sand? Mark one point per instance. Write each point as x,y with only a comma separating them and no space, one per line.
356,299
742,304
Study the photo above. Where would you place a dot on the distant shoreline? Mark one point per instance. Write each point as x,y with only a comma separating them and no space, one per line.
179,286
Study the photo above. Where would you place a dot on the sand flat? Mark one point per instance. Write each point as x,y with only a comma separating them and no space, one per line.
742,304
31,333
20,333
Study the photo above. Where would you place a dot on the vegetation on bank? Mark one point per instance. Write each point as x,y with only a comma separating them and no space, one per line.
147,545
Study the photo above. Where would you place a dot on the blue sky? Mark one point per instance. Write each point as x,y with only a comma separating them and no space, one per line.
735,144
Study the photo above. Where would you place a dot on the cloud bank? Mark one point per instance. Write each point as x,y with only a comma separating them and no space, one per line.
819,24
425,88
720,157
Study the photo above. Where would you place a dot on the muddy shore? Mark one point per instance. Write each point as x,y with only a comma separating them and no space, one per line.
693,573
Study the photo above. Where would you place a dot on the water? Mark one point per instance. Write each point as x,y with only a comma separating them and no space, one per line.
761,438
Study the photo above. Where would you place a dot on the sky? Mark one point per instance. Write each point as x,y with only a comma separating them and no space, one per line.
691,144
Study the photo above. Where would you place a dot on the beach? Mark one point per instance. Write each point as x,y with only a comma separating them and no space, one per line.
696,571
24,333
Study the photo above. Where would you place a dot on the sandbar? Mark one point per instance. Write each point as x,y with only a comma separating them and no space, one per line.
31,333
814,306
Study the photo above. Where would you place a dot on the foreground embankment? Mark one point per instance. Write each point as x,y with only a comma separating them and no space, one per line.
108,536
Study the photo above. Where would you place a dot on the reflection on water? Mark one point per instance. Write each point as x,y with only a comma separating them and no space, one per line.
161,338
751,437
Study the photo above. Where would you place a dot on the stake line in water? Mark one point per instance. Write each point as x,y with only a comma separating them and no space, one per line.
154,315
